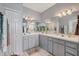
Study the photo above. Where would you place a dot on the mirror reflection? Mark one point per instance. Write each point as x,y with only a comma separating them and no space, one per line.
67,24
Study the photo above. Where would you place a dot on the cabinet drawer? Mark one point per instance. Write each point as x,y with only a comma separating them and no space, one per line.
67,54
72,45
71,51
59,41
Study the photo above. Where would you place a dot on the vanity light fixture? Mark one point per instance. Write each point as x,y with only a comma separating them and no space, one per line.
29,18
65,12
69,11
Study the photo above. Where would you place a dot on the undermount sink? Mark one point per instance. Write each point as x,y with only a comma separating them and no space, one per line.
62,35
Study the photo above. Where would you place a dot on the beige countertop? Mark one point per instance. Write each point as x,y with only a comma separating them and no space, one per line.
72,38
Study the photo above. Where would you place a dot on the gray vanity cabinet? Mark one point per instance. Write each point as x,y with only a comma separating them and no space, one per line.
43,42
58,47
30,41
50,45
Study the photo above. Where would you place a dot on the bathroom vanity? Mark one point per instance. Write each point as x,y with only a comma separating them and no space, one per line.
56,44
30,41
61,46
52,35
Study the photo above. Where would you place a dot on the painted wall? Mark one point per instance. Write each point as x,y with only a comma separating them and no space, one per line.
29,12
1,8
57,8
50,13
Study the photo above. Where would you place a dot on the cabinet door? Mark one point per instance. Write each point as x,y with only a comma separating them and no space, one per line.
25,43
31,41
61,50
43,42
50,45
55,49
58,49
36,40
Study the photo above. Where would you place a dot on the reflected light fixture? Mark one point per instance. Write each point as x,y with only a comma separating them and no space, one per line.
69,11
65,12
29,18
60,15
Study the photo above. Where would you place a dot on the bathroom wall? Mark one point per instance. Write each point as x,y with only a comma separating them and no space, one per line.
57,8
50,13
29,12
1,8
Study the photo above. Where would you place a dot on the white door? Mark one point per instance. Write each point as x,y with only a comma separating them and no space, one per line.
15,27
18,33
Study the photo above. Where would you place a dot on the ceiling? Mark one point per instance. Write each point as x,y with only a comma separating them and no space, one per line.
39,7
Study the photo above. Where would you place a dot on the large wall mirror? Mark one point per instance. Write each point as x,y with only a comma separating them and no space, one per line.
65,25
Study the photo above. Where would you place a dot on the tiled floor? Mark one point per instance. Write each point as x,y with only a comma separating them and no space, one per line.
31,52
35,52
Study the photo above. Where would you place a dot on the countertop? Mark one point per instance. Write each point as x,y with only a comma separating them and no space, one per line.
72,38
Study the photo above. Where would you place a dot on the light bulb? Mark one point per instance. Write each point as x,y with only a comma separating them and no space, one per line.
60,15
63,13
69,12
26,17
